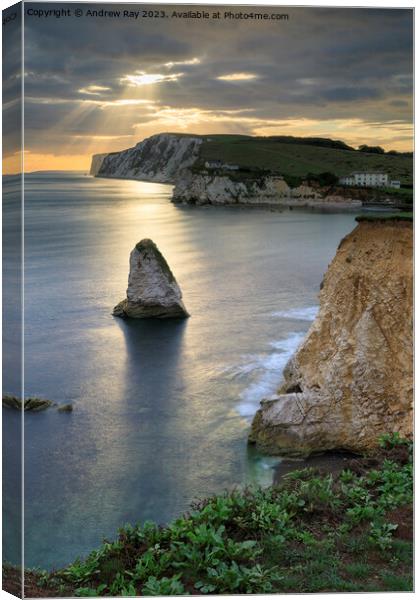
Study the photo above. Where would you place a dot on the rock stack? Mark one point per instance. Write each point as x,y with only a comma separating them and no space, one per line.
153,291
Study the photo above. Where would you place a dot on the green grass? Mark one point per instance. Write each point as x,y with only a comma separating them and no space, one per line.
403,193
313,533
299,159
358,570
401,216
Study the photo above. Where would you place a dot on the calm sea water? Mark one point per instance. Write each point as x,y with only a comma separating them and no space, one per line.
162,409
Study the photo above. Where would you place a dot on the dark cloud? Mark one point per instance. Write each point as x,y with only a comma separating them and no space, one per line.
399,103
349,94
12,79
320,64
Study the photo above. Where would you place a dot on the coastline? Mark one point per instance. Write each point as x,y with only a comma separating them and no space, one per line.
282,204
257,207
241,175
261,540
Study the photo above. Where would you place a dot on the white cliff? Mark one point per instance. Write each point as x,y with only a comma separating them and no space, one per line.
152,288
159,158
175,158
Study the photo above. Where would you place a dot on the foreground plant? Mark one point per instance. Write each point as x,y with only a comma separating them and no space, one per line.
314,532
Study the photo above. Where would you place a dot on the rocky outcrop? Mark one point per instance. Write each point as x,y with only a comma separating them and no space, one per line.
65,408
351,379
29,404
180,159
173,158
208,188
152,288
159,158
204,187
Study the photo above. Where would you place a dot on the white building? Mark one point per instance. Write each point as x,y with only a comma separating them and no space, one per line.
213,164
395,184
348,180
365,179
218,164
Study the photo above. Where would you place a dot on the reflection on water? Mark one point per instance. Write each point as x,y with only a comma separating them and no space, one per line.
162,408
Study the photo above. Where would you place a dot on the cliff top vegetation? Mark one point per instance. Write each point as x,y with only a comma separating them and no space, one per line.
372,218
297,157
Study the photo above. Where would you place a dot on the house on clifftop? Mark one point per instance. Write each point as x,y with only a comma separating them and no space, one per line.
213,164
368,179
219,164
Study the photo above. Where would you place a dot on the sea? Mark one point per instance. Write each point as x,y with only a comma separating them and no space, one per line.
162,409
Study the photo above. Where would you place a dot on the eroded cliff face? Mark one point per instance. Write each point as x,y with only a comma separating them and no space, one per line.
158,158
209,188
351,379
218,189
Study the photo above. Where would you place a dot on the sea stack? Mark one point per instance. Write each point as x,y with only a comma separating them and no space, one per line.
351,380
153,291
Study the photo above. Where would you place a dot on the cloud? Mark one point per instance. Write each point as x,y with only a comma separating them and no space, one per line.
349,94
171,64
94,90
237,77
335,71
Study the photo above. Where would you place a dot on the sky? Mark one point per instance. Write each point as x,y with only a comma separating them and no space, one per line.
101,84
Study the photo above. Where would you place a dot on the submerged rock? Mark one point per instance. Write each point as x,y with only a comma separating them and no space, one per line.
65,408
34,404
30,404
352,377
152,288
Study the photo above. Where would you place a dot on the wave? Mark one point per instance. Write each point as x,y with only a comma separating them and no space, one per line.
267,370
261,373
300,314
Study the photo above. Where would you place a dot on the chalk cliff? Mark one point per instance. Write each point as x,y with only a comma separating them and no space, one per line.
351,379
175,158
158,158
218,188
152,288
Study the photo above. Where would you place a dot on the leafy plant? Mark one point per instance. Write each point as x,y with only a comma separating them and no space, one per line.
87,591
288,538
391,440
381,535
80,572
166,586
